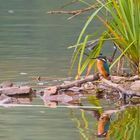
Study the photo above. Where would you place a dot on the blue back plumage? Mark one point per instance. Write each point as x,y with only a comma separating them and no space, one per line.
106,66
107,127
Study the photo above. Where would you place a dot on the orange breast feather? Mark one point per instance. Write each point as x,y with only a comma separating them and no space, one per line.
101,69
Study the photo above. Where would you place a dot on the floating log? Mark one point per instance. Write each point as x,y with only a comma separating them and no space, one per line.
76,83
10,91
115,83
7,88
79,82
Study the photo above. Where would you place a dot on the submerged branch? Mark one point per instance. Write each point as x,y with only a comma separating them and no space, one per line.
73,12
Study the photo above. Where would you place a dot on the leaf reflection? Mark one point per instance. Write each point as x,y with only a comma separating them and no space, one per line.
81,123
126,125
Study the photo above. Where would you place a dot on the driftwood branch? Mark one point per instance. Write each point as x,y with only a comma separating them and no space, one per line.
106,85
8,89
79,82
70,12
73,12
120,88
76,83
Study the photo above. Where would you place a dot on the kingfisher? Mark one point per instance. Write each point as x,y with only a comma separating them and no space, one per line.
103,66
102,63
103,125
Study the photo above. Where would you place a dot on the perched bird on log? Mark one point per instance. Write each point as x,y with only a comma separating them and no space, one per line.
103,66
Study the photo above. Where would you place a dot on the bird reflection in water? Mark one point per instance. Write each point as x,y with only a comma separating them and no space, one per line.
103,122
103,125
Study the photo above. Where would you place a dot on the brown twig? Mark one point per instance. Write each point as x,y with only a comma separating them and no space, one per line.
79,82
73,16
73,12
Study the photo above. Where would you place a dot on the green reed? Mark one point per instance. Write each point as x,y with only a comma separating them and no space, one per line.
121,20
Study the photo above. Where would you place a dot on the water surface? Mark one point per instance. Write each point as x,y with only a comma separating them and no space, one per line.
33,43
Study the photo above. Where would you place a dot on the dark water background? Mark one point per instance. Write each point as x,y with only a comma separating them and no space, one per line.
33,43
